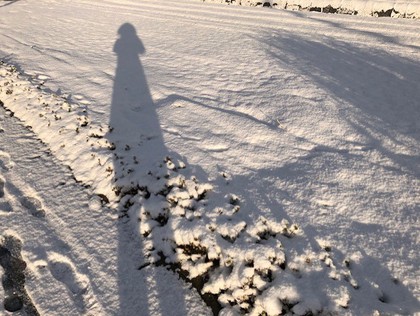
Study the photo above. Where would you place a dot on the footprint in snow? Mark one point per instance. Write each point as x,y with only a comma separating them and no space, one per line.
78,284
2,182
33,205
5,162
5,207
64,271
13,281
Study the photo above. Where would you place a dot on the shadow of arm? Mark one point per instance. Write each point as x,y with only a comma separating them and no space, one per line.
172,98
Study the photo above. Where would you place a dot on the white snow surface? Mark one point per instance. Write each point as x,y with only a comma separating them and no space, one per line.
273,154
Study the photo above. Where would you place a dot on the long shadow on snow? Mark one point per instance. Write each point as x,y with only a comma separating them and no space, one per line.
133,119
138,149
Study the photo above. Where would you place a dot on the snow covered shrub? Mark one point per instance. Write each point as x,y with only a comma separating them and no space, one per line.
243,264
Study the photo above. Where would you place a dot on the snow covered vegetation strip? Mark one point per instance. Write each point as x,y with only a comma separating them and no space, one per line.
376,8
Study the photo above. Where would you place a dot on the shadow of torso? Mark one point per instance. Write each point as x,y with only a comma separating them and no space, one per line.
138,145
135,127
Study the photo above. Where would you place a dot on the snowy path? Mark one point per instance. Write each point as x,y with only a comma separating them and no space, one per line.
39,202
306,117
72,247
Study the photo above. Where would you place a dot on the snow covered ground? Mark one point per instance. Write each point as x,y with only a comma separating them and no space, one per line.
271,158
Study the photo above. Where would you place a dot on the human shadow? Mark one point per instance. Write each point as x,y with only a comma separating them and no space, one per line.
138,145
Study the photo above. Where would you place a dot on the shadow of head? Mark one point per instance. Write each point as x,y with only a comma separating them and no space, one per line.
128,44
127,29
